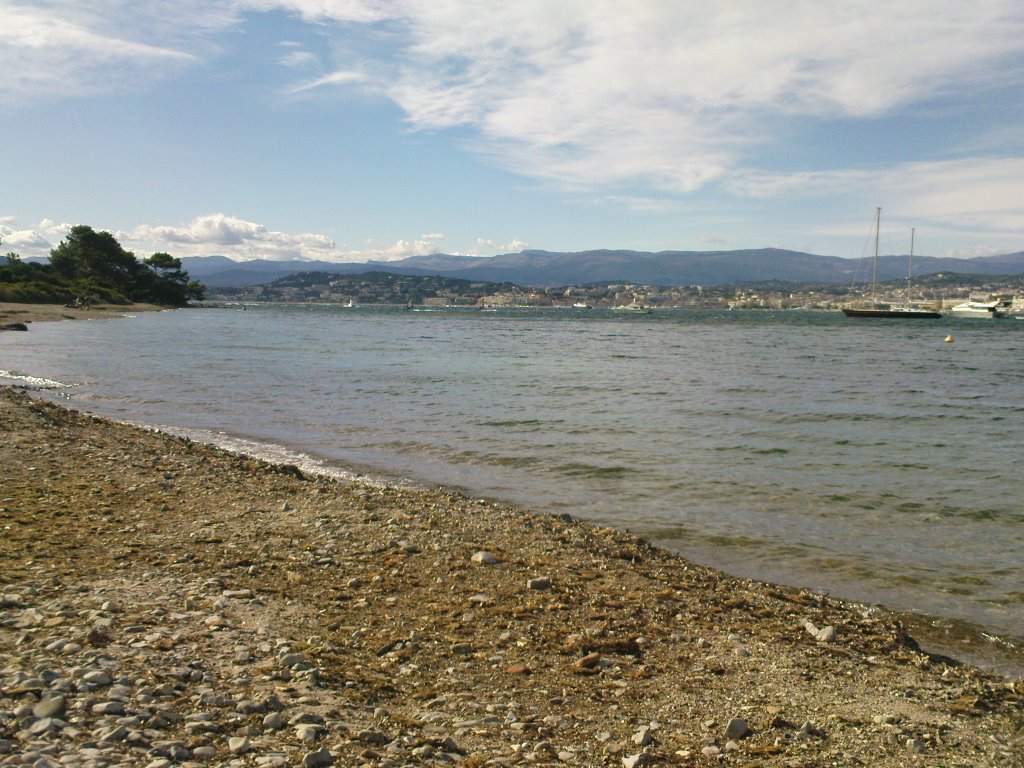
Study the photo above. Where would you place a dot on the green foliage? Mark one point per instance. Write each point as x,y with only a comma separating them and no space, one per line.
93,265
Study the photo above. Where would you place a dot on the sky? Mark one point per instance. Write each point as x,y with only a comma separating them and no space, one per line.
356,130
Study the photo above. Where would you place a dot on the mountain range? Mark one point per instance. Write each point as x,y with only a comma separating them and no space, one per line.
548,268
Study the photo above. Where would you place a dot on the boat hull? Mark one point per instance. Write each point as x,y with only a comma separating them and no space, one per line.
984,310
905,314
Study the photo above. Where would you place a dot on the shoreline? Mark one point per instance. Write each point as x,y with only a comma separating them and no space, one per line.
939,635
43,313
195,581
961,638
964,641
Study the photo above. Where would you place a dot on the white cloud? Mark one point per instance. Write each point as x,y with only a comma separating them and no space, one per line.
668,96
672,93
37,241
77,49
298,59
242,240
334,78
26,242
229,236
486,247
970,193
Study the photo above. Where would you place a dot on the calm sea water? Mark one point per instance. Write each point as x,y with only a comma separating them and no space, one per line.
868,459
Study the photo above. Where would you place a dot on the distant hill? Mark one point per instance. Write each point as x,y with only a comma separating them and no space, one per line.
547,268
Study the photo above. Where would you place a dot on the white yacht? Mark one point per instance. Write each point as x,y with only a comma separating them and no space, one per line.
982,309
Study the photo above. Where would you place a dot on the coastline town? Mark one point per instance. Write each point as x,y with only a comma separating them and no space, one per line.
938,292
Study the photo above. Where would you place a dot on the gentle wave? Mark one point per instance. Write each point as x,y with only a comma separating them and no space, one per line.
34,381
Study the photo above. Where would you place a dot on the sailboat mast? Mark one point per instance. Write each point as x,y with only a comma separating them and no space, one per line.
874,260
910,263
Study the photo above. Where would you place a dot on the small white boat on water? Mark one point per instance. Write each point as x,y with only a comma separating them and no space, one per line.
982,309
642,309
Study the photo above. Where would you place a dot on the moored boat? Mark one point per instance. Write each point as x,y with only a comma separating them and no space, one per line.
906,311
980,309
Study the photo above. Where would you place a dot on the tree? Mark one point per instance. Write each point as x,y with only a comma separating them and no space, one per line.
94,263
97,256
171,284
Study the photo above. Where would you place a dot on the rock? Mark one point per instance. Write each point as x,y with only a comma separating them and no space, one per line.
736,729
97,636
318,759
239,745
634,761
292,660
643,737
274,721
462,648
44,726
55,706
108,708
204,753
307,732
485,558
540,582
97,677
589,661
915,746
811,729
30,617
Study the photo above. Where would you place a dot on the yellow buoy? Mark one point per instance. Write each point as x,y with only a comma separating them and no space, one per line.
949,339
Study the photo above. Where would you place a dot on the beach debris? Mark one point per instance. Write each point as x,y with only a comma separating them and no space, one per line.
827,634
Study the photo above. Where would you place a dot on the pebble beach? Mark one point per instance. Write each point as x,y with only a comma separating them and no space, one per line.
164,602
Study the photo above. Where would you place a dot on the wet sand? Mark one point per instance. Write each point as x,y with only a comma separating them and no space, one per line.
40,313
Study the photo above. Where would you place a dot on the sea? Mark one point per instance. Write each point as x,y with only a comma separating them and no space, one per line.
877,461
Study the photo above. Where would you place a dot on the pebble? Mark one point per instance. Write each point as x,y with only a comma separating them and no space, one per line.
736,729
643,737
540,582
318,759
915,746
484,558
54,706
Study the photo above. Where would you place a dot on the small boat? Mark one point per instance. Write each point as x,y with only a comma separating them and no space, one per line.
642,309
982,309
906,311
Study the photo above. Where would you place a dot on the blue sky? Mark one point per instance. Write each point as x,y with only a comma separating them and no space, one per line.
350,130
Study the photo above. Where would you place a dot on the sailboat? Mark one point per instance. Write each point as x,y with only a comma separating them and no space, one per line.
905,311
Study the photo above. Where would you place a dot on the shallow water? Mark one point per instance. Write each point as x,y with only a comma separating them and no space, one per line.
867,459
